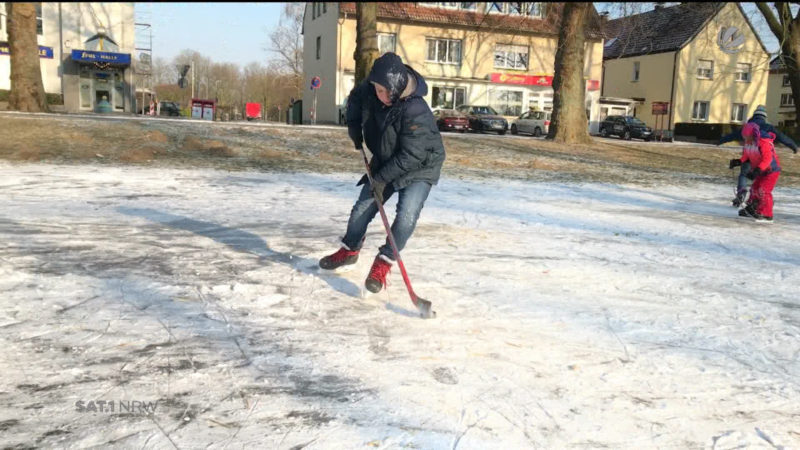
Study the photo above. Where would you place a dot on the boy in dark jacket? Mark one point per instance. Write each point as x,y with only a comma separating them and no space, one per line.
388,113
760,119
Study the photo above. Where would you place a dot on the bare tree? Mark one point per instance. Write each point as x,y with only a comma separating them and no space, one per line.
287,42
27,90
366,39
569,121
787,30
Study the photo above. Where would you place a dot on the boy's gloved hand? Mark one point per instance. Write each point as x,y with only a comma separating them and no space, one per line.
735,163
377,189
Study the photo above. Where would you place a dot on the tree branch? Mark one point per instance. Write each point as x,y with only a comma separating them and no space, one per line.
772,21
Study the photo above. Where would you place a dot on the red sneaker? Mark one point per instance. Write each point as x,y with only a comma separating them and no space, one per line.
342,257
377,274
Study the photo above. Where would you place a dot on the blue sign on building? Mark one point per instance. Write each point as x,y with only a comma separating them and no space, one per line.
101,57
44,52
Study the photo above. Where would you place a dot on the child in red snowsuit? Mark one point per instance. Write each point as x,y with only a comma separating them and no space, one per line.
760,152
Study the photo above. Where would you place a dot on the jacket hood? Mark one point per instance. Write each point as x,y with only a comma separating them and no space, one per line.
422,86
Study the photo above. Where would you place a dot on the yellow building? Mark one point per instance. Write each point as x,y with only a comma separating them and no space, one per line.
704,59
497,54
780,103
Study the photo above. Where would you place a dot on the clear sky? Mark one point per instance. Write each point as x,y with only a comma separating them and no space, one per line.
238,32
224,32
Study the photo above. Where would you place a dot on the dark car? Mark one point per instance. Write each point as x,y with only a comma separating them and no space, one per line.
167,109
626,127
451,120
484,118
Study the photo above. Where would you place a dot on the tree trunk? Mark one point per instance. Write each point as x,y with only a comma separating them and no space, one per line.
787,30
569,123
27,91
366,39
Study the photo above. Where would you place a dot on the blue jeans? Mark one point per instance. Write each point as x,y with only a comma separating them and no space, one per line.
743,171
409,206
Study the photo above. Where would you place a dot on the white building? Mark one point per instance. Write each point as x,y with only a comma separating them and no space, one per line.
86,53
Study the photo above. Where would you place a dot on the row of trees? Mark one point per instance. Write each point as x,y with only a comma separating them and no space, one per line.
273,84
229,84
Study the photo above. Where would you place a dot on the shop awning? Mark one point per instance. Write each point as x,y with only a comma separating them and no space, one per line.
88,56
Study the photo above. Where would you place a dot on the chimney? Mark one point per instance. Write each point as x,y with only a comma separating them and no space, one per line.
604,17
659,5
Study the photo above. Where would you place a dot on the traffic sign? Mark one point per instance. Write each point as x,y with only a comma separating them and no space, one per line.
316,83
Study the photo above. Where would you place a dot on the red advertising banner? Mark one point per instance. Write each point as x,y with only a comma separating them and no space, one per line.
528,80
535,80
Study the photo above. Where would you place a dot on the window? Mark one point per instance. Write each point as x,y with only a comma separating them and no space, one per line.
700,111
448,97
507,103
739,112
324,7
39,26
2,16
787,100
319,46
313,11
469,6
635,71
386,42
446,51
495,7
511,56
742,72
786,81
533,9
705,69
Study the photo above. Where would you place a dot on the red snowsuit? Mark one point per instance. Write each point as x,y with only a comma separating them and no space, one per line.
761,154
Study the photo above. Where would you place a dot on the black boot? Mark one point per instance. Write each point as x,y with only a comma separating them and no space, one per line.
739,199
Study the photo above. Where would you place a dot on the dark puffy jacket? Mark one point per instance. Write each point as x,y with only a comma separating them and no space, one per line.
766,129
403,138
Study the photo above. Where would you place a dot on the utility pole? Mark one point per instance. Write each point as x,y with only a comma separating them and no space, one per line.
192,80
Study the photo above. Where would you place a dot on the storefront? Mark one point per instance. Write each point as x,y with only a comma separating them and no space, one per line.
102,76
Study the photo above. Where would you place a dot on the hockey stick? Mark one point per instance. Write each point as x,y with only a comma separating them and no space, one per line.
423,305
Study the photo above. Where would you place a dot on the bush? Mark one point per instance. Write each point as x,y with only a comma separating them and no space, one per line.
792,132
52,99
705,131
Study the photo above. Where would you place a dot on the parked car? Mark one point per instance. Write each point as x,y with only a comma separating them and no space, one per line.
535,123
167,109
626,127
484,118
451,120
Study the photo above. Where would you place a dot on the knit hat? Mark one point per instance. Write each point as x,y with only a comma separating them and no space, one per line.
760,111
390,72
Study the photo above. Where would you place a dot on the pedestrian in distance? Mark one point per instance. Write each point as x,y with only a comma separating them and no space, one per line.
759,118
388,113
759,151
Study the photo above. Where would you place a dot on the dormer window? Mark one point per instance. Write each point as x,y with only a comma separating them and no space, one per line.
532,9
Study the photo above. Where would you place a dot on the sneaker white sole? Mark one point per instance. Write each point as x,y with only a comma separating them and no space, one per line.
342,269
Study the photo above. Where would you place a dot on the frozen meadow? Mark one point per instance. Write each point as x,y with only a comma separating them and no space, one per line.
570,315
